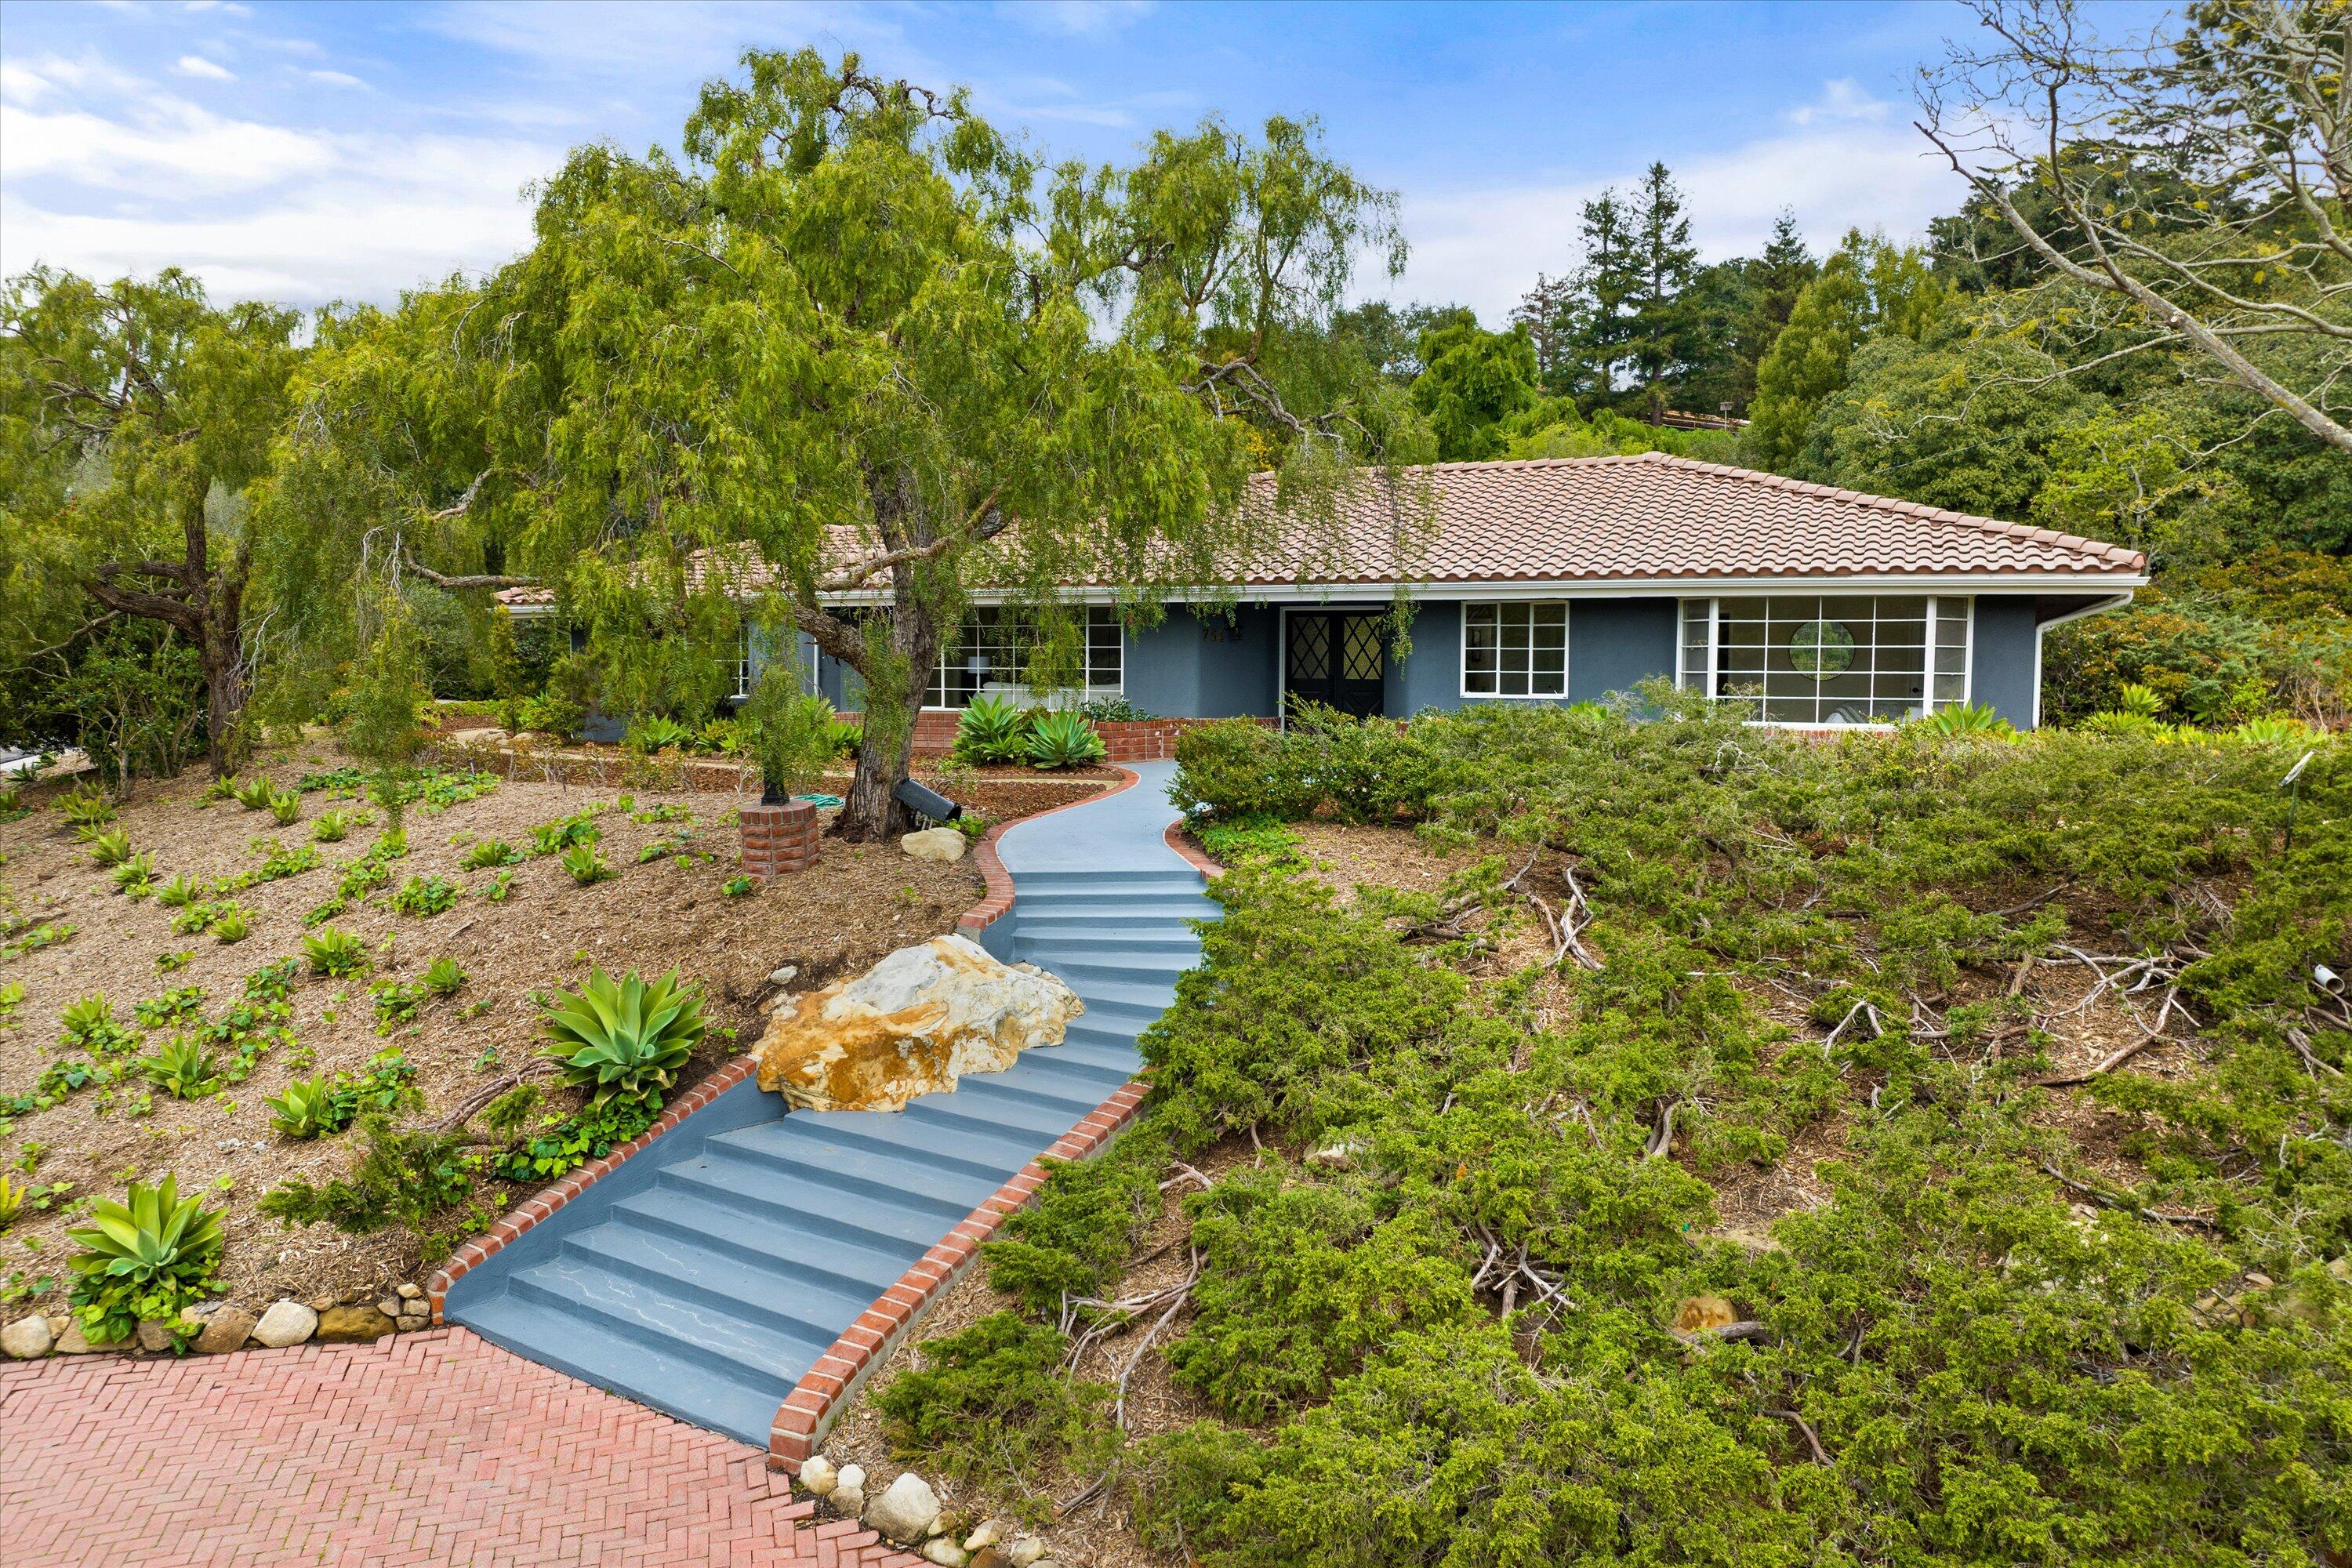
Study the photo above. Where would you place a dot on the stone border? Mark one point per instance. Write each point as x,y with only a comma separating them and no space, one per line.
999,897
543,1203
1177,836
817,1400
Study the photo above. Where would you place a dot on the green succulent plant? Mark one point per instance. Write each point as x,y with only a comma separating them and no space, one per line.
142,1257
254,795
179,892
85,806
1972,719
443,977
90,1025
182,1068
656,734
136,875
309,1108
334,953
586,866
2273,730
1063,741
332,827
993,731
230,924
285,806
627,1038
110,847
490,852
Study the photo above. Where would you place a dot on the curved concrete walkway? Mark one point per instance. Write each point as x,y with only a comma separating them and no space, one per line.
1123,832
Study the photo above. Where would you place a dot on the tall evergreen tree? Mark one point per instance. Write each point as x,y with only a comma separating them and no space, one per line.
1664,331
1606,286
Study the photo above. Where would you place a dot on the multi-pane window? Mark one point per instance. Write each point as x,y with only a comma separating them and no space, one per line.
1514,650
989,658
1827,659
743,660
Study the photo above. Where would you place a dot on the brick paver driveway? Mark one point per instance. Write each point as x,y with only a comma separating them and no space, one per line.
433,1447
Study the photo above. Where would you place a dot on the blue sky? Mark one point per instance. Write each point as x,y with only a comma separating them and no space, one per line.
305,152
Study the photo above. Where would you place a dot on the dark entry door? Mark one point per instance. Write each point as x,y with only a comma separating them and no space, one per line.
1335,658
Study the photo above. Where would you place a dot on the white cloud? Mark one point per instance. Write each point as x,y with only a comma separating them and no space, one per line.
1484,248
1842,100
197,65
166,147
335,79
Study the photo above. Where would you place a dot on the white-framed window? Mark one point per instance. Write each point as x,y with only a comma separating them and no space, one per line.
1515,649
989,658
743,661
1806,658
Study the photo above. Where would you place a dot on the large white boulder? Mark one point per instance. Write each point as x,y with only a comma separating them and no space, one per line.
905,1511
913,1024
935,844
286,1323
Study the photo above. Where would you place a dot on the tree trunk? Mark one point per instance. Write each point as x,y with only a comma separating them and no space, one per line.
206,606
872,812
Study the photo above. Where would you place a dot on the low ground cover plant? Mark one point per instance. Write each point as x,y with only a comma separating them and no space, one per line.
1465,1297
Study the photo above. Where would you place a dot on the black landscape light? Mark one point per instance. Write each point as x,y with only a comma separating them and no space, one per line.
925,801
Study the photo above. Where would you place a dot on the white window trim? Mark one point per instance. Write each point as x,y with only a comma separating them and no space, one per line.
1085,689
1462,659
743,662
1936,611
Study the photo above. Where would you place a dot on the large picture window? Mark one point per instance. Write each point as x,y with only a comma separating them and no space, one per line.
991,659
1828,659
1514,650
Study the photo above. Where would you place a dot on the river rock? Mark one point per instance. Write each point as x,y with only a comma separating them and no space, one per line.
818,1478
935,844
1023,1551
943,1550
987,1533
27,1339
352,1325
907,1510
73,1342
285,1324
913,1024
225,1329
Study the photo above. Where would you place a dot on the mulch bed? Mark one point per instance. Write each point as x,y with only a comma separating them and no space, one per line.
858,903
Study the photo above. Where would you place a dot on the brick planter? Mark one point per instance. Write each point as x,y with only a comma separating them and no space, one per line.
779,840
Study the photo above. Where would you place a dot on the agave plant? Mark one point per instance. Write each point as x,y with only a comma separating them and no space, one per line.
444,975
2273,730
255,795
425,896
12,1201
334,953
182,1068
85,806
89,1024
1063,741
309,1108
231,924
993,731
490,852
148,1250
180,892
285,806
110,848
2141,701
135,875
587,867
333,827
656,734
626,1037
2122,724
1975,719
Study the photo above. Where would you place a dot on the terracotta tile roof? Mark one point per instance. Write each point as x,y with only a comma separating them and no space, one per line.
1639,519
1636,520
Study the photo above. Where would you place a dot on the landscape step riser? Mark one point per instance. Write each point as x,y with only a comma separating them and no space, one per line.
707,1275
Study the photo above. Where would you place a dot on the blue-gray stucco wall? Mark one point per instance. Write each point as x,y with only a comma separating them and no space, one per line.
1205,665
2002,669
1217,663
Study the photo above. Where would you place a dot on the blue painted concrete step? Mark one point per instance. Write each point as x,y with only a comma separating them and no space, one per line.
706,1276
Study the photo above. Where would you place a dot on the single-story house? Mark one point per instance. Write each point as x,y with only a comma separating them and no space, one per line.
1564,580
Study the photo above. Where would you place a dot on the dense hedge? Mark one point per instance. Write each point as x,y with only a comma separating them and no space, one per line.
1996,1367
